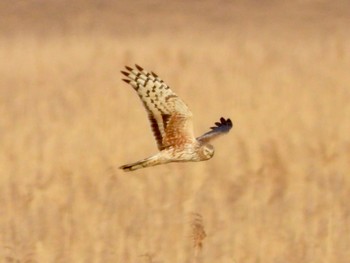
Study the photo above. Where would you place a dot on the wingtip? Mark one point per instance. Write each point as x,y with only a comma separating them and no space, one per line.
127,80
125,73
226,121
139,67
128,68
223,122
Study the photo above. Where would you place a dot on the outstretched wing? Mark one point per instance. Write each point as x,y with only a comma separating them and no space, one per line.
222,127
170,118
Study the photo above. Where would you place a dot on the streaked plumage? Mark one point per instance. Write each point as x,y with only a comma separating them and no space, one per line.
171,122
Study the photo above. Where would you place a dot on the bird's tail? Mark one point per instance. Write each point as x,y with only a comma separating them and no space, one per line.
151,161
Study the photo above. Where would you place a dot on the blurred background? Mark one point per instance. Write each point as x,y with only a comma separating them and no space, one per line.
278,187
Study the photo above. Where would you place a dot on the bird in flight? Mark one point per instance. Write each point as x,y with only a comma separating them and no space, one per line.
171,122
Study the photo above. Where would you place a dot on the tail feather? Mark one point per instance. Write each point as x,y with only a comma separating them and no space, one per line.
151,161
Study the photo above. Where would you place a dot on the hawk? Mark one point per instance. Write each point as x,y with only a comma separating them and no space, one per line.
171,122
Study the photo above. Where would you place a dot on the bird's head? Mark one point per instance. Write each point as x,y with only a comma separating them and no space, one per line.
207,151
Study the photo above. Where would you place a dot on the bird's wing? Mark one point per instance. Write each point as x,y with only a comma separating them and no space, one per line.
170,118
220,128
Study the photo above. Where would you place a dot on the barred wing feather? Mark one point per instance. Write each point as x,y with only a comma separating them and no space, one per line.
170,118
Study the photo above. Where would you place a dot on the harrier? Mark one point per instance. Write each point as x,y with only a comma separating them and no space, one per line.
171,122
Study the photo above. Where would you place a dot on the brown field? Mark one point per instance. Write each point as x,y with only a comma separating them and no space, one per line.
278,187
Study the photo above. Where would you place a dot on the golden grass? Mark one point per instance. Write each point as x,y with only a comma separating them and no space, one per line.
277,189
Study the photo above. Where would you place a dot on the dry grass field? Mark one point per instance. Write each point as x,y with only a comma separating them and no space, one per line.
278,187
